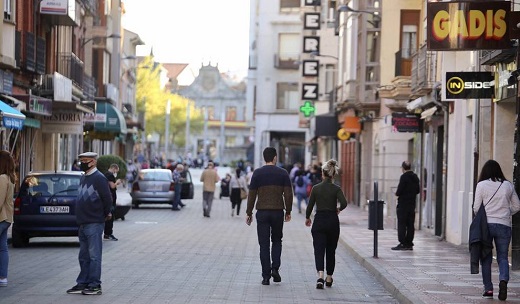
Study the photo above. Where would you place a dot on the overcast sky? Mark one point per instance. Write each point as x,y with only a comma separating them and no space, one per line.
193,31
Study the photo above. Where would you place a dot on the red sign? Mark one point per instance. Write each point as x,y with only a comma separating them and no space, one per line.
468,25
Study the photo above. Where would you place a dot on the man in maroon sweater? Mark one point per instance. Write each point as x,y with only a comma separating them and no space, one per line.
271,190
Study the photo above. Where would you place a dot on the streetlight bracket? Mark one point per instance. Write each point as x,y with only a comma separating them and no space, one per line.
85,41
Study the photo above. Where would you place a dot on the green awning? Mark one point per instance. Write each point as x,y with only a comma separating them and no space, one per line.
114,121
31,122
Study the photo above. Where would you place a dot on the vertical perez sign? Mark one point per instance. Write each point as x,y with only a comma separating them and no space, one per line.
468,25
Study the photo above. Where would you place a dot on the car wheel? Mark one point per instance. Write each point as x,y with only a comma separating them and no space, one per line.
122,218
19,240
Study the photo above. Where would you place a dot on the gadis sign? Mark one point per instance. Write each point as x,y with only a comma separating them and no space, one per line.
454,26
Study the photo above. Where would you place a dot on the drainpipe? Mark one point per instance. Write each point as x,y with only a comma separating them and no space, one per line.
445,109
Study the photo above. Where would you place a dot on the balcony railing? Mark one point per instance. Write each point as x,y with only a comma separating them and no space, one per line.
424,68
287,61
70,66
91,6
89,87
33,58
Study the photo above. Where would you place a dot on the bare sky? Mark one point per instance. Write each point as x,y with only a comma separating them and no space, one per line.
193,31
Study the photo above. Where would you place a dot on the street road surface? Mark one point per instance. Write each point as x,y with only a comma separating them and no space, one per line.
165,256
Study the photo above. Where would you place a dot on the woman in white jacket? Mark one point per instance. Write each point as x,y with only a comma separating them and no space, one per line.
500,202
236,183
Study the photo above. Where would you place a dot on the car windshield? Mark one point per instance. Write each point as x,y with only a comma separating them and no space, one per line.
48,185
156,176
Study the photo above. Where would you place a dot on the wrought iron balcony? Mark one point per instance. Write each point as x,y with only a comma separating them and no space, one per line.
289,61
424,70
89,87
70,66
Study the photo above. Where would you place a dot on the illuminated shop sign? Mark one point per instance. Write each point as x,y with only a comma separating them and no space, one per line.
468,25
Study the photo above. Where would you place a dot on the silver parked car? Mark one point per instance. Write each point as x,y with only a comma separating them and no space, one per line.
156,186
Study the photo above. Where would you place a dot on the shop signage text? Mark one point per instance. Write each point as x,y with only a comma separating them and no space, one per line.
468,25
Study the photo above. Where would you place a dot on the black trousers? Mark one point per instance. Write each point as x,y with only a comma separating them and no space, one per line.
109,224
405,223
325,235
235,199
269,228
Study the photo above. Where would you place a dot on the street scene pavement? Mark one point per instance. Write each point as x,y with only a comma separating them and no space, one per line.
182,257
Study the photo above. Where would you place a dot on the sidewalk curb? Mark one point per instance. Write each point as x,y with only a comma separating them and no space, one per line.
397,290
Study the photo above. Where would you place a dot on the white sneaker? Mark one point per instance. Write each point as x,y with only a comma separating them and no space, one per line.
3,282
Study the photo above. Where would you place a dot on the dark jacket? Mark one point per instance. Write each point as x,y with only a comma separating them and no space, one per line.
480,242
408,188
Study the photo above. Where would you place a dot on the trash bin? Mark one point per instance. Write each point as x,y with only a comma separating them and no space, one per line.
372,215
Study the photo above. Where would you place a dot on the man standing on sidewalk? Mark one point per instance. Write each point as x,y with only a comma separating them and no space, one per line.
208,178
273,187
406,193
92,210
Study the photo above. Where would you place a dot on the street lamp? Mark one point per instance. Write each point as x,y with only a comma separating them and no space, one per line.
85,41
317,54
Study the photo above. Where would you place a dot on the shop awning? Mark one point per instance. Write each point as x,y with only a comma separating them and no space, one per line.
11,117
113,122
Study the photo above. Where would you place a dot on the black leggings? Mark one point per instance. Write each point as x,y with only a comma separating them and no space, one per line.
325,235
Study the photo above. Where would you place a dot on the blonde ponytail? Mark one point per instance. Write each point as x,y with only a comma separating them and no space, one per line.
330,168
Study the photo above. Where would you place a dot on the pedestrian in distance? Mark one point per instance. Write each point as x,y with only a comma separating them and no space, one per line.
301,182
271,192
209,178
177,179
113,182
224,186
325,229
93,206
237,182
75,166
406,193
7,181
500,203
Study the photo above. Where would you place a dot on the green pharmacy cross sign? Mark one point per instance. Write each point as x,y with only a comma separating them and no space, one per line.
307,109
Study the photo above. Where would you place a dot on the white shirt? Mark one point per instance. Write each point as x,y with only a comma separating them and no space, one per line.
502,206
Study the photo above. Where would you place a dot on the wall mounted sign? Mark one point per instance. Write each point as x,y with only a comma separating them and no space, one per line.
407,122
311,44
310,91
464,85
307,109
468,25
311,21
310,68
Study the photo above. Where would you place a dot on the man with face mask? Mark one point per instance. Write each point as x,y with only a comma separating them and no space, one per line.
113,182
93,206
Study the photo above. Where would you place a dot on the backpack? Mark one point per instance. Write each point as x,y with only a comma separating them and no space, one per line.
299,181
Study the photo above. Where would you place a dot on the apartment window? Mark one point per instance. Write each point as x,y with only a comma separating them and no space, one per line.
211,112
231,141
330,73
287,96
288,50
231,113
108,7
8,10
288,6
408,40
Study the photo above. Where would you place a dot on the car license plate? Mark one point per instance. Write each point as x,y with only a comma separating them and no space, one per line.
54,209
155,188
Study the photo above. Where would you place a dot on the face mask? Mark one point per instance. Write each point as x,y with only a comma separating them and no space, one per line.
84,166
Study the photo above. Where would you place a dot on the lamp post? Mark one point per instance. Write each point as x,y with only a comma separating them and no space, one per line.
167,129
85,41
187,144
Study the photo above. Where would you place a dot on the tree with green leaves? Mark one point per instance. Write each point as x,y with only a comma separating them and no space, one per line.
152,99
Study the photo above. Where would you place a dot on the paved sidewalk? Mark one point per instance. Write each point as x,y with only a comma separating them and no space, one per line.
434,272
